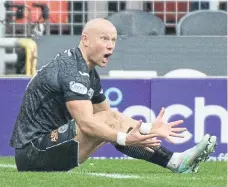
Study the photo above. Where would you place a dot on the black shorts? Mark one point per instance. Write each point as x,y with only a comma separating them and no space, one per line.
55,151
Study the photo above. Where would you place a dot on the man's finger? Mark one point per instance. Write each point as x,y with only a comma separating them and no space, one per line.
175,123
149,149
137,127
178,129
154,145
148,136
170,139
176,135
161,114
151,141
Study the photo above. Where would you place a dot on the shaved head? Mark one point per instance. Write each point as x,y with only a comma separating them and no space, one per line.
98,42
98,24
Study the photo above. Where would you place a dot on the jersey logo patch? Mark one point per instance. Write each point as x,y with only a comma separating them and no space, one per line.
78,88
63,128
54,136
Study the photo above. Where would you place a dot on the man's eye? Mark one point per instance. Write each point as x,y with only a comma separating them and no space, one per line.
104,38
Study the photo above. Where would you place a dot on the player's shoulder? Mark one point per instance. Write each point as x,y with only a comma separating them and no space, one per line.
71,59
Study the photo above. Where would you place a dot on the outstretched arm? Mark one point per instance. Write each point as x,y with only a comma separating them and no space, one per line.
158,127
99,125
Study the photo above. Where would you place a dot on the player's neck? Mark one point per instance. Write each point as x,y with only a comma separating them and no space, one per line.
89,64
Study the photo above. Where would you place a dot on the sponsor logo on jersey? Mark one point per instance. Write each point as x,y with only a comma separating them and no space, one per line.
78,87
90,93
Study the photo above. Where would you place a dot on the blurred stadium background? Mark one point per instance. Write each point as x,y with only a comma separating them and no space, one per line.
157,25
174,53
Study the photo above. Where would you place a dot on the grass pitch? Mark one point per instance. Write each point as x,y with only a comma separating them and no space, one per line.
114,173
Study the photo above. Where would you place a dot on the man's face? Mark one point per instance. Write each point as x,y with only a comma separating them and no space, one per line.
101,44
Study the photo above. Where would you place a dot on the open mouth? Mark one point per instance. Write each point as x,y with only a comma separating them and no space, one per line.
106,57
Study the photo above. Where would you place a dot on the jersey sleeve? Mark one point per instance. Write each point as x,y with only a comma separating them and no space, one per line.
73,85
98,96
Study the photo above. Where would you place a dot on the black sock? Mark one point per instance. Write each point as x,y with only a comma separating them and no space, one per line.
160,157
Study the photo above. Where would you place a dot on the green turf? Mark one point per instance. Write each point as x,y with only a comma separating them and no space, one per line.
211,174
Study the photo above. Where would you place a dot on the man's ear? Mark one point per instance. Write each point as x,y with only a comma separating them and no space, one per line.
85,39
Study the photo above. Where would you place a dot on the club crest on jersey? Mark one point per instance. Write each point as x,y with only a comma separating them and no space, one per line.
63,128
90,93
78,87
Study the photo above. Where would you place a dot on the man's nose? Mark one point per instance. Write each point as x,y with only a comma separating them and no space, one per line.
110,45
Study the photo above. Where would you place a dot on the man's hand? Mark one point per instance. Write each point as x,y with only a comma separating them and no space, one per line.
166,130
135,138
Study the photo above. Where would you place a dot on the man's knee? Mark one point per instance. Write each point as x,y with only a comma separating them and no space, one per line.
112,118
115,119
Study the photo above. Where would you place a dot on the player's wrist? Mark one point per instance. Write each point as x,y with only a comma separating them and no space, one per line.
121,138
145,128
